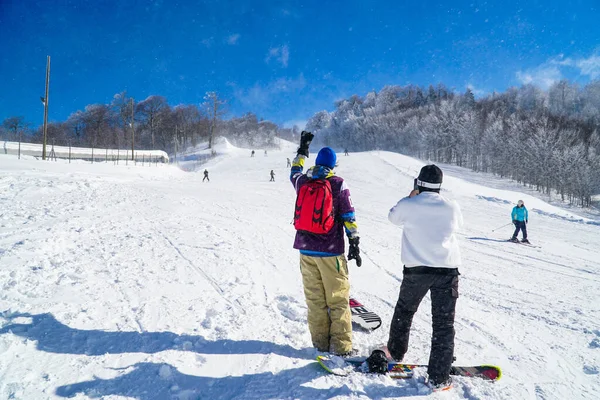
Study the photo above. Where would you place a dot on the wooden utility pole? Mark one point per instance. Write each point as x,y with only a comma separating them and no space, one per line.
132,131
175,144
46,107
212,126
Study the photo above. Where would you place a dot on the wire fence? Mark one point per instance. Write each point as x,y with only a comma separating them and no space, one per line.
91,154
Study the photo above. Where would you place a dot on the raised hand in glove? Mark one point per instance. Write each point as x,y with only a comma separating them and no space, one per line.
354,251
305,139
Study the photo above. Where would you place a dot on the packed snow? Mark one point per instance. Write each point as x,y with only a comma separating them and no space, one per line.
143,282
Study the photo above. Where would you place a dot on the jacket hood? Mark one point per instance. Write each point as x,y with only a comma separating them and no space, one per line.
320,172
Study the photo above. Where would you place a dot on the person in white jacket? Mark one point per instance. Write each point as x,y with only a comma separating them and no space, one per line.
431,258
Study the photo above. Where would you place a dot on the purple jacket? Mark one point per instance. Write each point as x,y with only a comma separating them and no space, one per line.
331,243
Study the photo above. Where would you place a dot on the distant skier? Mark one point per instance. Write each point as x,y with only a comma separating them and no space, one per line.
252,154
431,257
520,218
289,164
265,153
323,195
346,152
205,175
272,176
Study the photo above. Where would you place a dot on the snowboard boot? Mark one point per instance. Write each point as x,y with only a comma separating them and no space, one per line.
525,241
513,239
348,354
440,386
377,362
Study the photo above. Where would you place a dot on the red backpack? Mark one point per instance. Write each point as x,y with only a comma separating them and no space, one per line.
314,207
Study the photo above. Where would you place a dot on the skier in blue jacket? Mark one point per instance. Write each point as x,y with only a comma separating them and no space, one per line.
520,218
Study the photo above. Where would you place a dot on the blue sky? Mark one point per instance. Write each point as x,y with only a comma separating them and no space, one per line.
283,60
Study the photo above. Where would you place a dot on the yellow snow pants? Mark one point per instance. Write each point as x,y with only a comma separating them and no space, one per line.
327,292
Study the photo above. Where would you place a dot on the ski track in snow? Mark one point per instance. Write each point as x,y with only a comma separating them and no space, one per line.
143,282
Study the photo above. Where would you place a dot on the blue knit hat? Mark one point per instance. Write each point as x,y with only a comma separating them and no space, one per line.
326,157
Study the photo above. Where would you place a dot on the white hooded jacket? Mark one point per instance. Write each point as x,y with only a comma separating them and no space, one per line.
430,225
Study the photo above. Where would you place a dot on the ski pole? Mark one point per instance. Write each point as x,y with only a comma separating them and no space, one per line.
493,230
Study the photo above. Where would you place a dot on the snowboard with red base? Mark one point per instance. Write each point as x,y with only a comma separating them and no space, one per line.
363,317
344,367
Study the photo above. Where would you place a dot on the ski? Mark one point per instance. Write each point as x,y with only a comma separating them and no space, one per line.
363,317
344,367
524,244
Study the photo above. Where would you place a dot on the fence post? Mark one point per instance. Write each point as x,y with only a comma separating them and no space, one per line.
92,154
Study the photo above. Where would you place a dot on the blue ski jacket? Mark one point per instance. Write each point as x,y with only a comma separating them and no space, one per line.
520,213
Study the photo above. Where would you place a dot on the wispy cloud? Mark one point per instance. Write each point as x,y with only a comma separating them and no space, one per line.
587,66
279,54
476,91
261,95
208,42
555,68
233,39
543,76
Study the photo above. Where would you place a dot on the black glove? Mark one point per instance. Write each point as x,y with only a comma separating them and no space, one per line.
526,221
377,362
354,251
305,139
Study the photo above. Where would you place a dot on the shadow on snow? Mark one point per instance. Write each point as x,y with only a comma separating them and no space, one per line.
488,239
150,381
54,337
145,381
161,381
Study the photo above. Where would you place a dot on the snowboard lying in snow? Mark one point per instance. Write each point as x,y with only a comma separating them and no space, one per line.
362,317
343,367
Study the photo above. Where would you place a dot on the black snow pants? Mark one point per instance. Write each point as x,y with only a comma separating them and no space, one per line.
520,226
417,281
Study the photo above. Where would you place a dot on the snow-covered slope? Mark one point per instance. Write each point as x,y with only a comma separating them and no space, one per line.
145,283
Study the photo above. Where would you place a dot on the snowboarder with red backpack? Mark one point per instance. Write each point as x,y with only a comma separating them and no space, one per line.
323,212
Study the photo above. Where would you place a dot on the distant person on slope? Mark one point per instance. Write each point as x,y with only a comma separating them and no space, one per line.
252,153
323,211
431,258
289,164
272,176
520,218
205,175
